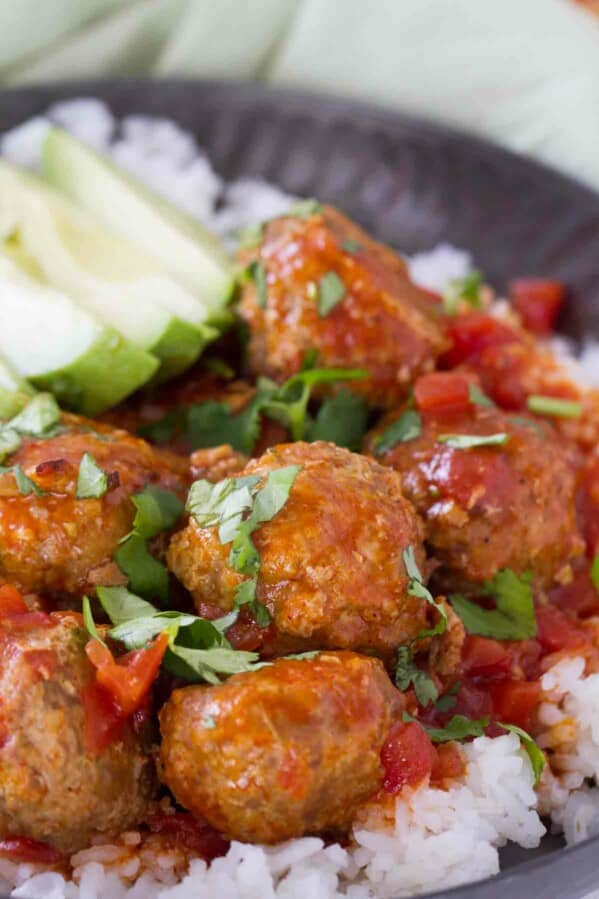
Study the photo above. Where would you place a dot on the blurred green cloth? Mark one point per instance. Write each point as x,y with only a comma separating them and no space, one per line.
524,73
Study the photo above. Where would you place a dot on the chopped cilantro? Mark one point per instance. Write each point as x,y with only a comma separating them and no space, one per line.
407,674
88,621
471,441
157,510
39,418
449,699
208,722
351,246
536,755
341,419
458,728
595,572
26,485
478,397
416,587
92,482
463,289
257,272
407,427
304,209
513,617
524,422
331,291
550,405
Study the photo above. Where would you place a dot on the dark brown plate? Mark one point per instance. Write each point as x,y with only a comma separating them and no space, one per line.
413,184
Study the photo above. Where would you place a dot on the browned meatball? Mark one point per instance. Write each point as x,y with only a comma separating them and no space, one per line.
381,321
290,749
51,787
54,542
332,572
491,507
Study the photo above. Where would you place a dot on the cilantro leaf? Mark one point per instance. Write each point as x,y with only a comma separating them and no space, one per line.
537,757
458,728
39,415
121,605
463,289
407,674
26,485
257,271
157,510
250,236
449,699
351,246
595,572
304,209
513,618
341,419
88,621
10,441
478,398
416,587
92,482
331,291
407,427
471,441
147,576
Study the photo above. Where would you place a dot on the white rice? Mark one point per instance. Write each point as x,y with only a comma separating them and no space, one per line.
436,838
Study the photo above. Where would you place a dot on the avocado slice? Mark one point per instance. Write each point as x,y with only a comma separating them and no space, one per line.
14,392
188,250
58,346
111,277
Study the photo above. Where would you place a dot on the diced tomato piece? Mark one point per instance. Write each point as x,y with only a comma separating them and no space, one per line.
24,849
449,763
129,678
197,836
485,658
515,700
473,701
557,631
538,303
407,756
472,333
104,721
526,658
442,391
11,601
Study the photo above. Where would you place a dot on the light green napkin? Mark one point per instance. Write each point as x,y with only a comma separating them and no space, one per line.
524,73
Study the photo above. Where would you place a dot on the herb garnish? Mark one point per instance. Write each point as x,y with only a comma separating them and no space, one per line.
594,572
471,441
513,617
25,485
212,423
304,209
257,272
238,506
449,698
92,482
459,727
550,405
466,289
39,418
407,427
406,670
330,291
157,510
478,398
535,754
351,246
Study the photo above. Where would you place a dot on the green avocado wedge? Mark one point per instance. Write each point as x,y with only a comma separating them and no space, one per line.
188,250
101,271
14,392
58,346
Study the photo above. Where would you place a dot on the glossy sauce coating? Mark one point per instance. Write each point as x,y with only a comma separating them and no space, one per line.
57,543
494,507
51,788
332,573
290,749
383,323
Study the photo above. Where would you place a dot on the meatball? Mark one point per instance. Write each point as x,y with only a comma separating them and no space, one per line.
489,507
332,573
53,542
293,748
51,787
332,289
